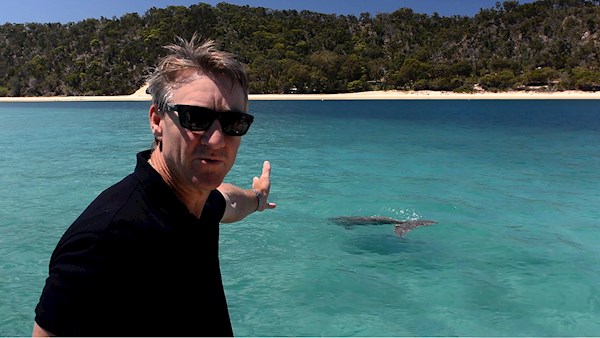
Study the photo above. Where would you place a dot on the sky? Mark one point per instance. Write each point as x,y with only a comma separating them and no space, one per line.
63,11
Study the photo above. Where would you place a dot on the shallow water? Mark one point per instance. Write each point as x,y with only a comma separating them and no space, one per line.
514,186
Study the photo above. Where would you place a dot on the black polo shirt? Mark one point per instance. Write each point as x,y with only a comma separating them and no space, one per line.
137,263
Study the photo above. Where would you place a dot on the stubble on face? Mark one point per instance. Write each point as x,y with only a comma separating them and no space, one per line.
201,160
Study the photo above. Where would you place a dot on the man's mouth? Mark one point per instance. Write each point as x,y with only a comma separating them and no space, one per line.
208,160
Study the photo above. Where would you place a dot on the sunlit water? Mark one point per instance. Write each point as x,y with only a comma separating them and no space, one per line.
514,186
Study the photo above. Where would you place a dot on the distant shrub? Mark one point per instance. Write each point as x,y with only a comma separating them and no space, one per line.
357,86
466,88
502,80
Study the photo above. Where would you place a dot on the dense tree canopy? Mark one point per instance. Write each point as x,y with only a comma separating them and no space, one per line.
547,44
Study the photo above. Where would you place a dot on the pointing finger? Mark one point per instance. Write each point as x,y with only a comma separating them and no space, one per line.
266,171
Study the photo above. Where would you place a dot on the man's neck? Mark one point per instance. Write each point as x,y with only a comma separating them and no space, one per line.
194,200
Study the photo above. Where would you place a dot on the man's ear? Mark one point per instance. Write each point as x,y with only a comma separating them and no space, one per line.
155,122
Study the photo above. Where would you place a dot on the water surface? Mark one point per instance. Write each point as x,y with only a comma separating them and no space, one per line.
514,186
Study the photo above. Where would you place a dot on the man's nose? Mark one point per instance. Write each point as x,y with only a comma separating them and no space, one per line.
214,136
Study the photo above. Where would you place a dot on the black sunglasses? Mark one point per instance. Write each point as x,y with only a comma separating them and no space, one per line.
196,118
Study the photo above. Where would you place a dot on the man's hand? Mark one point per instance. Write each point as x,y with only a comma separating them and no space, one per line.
262,186
242,202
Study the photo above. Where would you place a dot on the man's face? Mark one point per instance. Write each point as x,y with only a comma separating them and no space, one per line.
201,160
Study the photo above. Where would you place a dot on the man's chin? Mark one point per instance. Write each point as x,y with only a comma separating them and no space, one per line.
208,181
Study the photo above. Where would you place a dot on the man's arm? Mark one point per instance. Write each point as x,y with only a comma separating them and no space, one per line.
39,332
241,203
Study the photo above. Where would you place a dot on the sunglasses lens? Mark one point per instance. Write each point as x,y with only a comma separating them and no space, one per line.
200,119
195,121
235,124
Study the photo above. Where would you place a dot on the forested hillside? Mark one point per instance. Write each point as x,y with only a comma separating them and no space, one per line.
547,44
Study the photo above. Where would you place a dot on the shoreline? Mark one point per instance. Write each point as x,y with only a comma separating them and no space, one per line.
434,95
140,95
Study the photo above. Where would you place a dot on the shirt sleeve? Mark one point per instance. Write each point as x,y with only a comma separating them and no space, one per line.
214,208
72,270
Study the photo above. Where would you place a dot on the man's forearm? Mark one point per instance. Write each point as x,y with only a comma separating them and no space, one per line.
240,202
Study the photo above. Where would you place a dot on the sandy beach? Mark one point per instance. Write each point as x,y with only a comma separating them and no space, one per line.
140,95
433,95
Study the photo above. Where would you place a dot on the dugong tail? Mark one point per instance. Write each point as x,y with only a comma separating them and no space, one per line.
403,227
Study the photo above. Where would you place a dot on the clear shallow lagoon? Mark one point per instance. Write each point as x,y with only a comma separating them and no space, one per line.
514,185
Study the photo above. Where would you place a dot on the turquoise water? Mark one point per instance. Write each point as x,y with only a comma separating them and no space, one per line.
514,186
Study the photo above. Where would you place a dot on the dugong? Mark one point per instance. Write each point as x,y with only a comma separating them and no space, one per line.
400,227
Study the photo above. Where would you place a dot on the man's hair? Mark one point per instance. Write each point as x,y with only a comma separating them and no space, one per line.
196,55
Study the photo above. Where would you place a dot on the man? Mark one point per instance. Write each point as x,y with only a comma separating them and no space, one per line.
142,259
